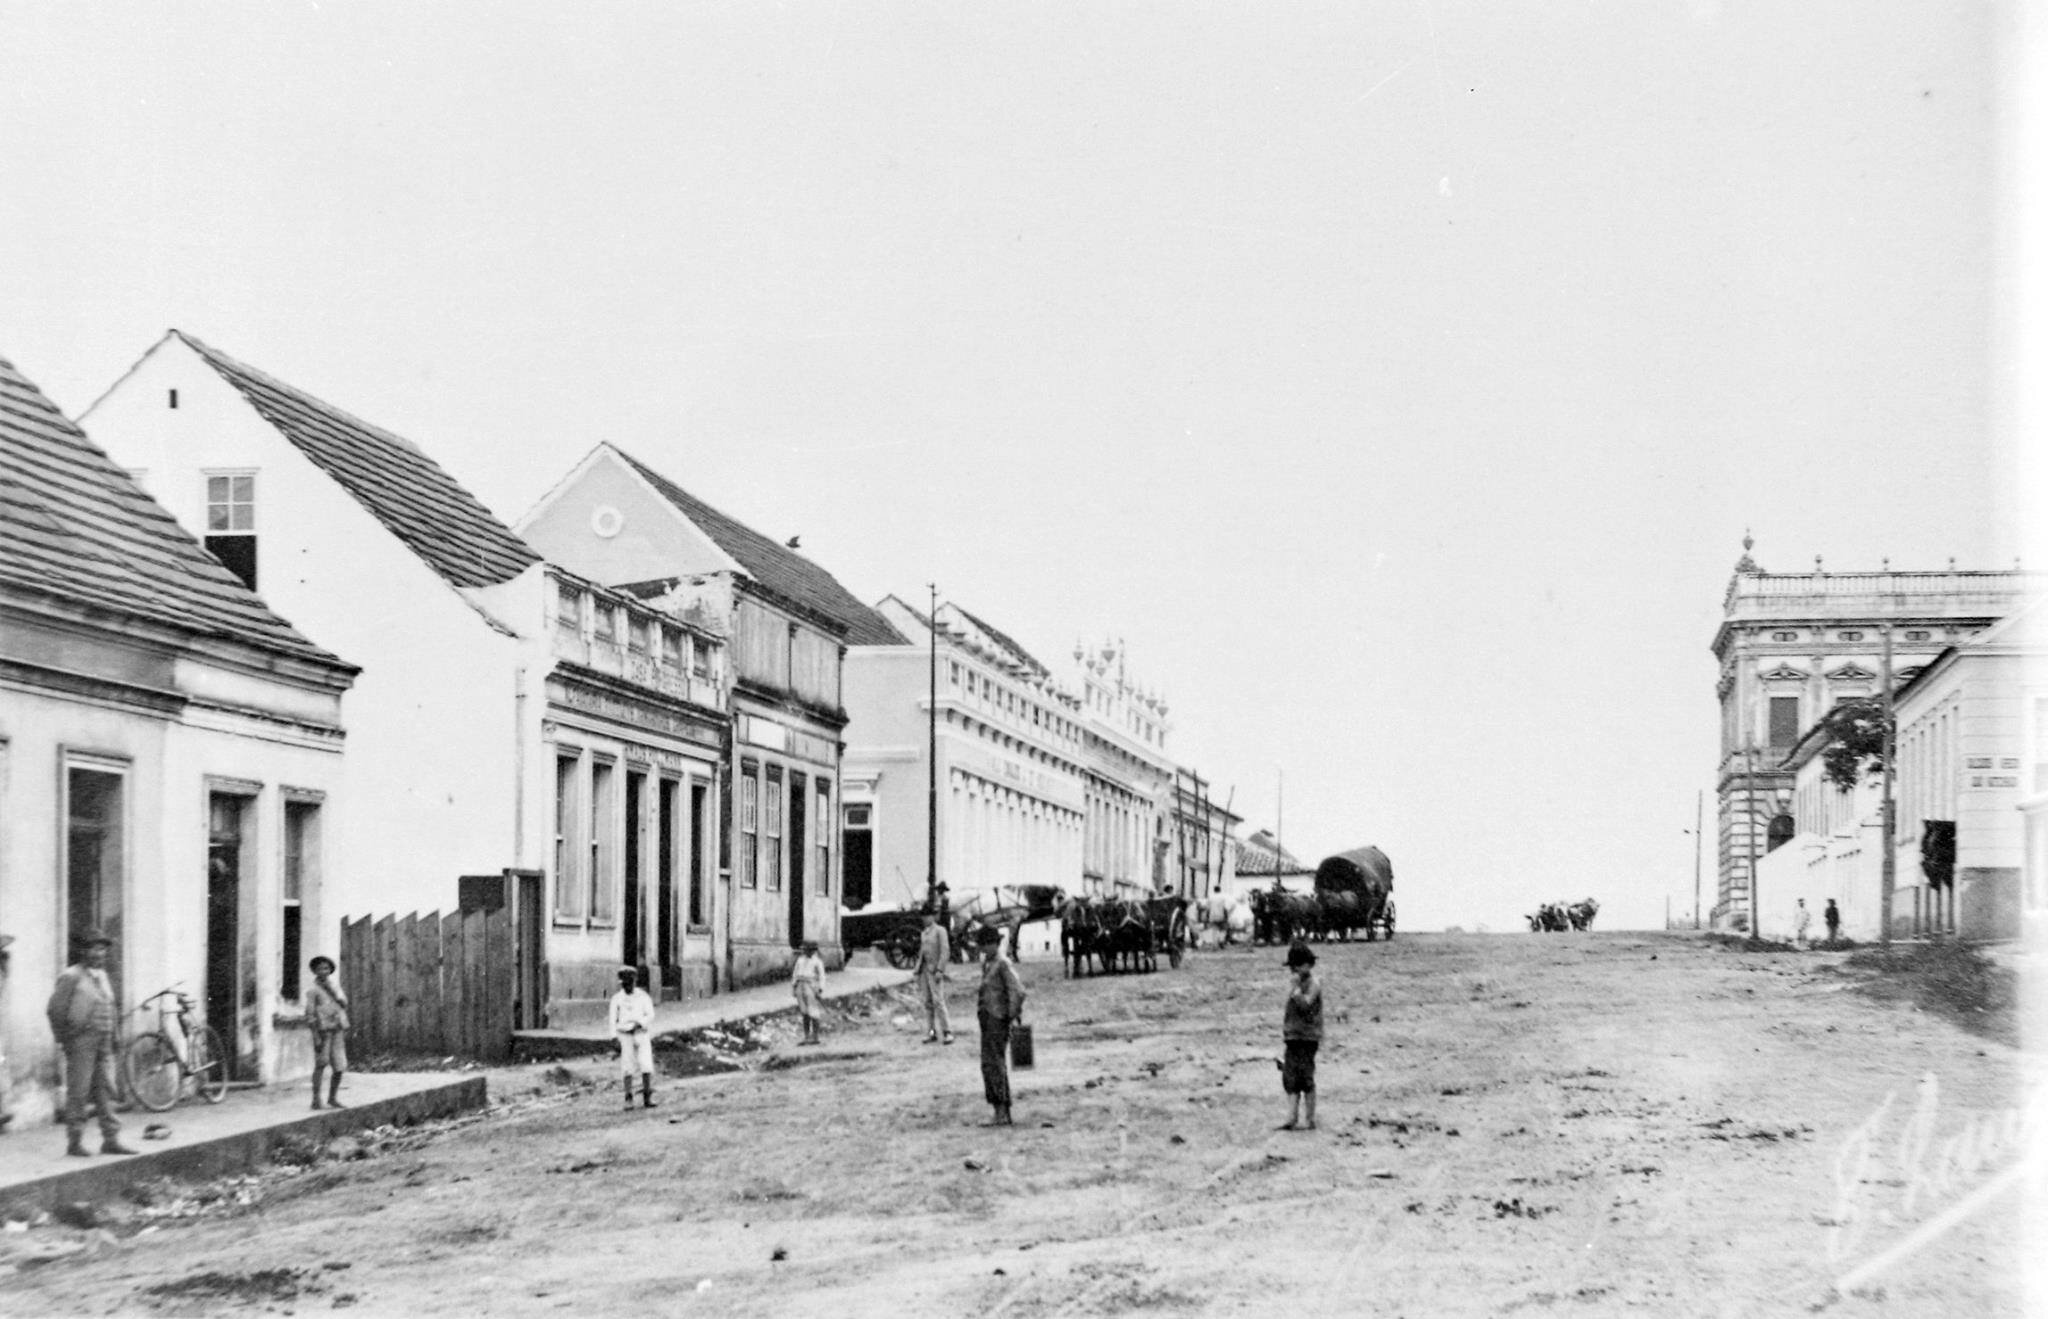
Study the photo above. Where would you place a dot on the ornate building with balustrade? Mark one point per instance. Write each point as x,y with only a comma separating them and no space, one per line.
1791,646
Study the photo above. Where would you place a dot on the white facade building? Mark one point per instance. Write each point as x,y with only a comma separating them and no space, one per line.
1792,645
1127,779
171,765
1008,746
511,720
618,521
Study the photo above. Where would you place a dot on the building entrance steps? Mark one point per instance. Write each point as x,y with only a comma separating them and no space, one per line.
211,1140
703,1013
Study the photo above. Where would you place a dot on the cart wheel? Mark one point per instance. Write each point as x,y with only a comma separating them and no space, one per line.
900,957
209,1065
151,1067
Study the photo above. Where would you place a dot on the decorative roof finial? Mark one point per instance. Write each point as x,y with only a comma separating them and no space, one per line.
1886,563
1951,563
1816,565
1745,563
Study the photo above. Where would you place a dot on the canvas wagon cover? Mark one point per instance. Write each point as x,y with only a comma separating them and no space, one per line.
1355,871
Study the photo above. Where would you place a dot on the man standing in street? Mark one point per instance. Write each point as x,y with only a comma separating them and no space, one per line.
1833,916
1802,921
934,950
999,1006
82,1015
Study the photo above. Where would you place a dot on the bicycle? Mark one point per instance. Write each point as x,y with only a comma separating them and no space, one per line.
157,1064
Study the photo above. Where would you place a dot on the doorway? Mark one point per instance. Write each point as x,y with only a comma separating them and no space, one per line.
95,867
225,850
798,795
665,890
700,798
633,936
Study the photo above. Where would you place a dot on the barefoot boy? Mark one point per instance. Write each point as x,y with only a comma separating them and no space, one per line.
1301,1031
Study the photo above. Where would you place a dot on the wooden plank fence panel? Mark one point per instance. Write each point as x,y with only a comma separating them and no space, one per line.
385,982
454,984
476,994
408,963
431,983
496,1044
355,941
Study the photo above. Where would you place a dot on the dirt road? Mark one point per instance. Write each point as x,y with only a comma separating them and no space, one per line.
1579,1124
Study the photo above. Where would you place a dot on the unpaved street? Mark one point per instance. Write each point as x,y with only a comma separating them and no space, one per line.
1578,1124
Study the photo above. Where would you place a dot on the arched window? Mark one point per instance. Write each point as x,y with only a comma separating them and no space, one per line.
1779,834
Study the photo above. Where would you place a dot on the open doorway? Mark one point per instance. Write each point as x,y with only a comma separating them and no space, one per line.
797,836
227,989
633,928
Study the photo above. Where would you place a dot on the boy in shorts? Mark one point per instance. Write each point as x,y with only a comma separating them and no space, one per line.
1300,1033
327,1013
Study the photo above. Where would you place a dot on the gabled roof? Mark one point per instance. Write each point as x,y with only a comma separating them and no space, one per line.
415,499
74,525
782,571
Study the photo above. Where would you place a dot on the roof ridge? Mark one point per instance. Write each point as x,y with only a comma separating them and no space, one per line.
208,351
397,482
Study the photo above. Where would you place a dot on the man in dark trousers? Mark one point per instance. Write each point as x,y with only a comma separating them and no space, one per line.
1833,916
82,1014
999,1006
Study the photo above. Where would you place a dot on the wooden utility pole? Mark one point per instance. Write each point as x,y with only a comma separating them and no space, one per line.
1888,868
931,755
1756,906
1699,823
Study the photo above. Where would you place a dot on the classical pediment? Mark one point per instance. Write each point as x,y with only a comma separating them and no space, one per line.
1851,673
1783,673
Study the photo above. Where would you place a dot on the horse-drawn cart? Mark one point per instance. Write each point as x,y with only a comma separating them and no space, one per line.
1006,907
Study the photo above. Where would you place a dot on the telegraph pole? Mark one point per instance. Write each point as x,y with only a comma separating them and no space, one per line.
1699,823
931,755
1756,906
1889,863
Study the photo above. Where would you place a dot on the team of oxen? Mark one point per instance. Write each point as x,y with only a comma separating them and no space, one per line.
1353,894
1554,917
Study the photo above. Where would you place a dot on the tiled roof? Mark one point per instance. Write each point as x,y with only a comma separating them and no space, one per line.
74,525
782,571
407,491
1001,638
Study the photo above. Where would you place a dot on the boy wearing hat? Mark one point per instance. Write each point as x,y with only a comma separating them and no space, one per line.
807,982
1301,1031
632,1026
82,1017
999,1006
327,1014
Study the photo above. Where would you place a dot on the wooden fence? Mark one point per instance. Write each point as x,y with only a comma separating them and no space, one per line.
430,984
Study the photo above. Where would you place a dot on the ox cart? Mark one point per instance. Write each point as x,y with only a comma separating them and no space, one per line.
1123,934
1006,907
1353,891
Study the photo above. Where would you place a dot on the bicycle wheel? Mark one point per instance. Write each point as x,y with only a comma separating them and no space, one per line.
209,1065
151,1066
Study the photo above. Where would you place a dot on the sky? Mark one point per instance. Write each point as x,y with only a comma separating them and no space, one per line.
1396,380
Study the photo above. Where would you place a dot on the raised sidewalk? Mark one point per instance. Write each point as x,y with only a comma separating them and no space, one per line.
208,1140
702,1013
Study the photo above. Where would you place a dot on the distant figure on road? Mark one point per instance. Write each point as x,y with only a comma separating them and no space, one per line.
807,982
999,1006
1301,1033
327,1014
1802,921
82,1014
1833,916
934,951
633,1027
